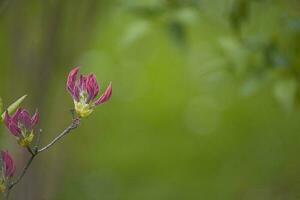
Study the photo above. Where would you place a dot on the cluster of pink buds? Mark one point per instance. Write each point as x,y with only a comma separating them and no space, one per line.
84,92
21,124
7,169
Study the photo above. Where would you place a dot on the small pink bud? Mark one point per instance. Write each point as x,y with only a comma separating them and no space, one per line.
8,166
21,125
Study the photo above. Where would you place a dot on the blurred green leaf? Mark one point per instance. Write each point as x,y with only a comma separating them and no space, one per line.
235,53
285,92
135,32
147,11
14,105
182,3
187,16
177,33
239,12
251,86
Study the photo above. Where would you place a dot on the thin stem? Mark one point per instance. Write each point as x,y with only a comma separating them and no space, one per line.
74,125
36,151
37,143
23,172
30,150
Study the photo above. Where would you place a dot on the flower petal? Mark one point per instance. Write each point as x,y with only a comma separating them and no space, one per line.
24,118
92,87
7,118
105,96
71,82
82,82
15,116
35,118
11,125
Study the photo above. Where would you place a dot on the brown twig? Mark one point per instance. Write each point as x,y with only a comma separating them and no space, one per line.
23,172
35,151
61,135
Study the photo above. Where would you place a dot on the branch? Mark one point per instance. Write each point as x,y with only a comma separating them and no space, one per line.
23,172
75,123
37,142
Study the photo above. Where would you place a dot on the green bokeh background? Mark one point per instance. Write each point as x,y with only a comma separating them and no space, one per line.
205,98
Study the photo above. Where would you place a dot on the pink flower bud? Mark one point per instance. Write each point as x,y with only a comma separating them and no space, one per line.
8,166
84,92
21,125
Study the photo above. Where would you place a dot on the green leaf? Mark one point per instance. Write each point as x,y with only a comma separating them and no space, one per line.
239,13
135,32
285,93
177,32
14,105
250,86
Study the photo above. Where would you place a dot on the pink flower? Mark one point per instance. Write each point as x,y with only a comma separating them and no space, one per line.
8,169
8,166
84,92
21,125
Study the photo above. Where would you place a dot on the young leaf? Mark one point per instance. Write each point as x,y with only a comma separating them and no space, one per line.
14,105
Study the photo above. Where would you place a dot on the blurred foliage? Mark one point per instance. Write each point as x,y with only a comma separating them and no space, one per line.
252,53
205,101
1,105
174,15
